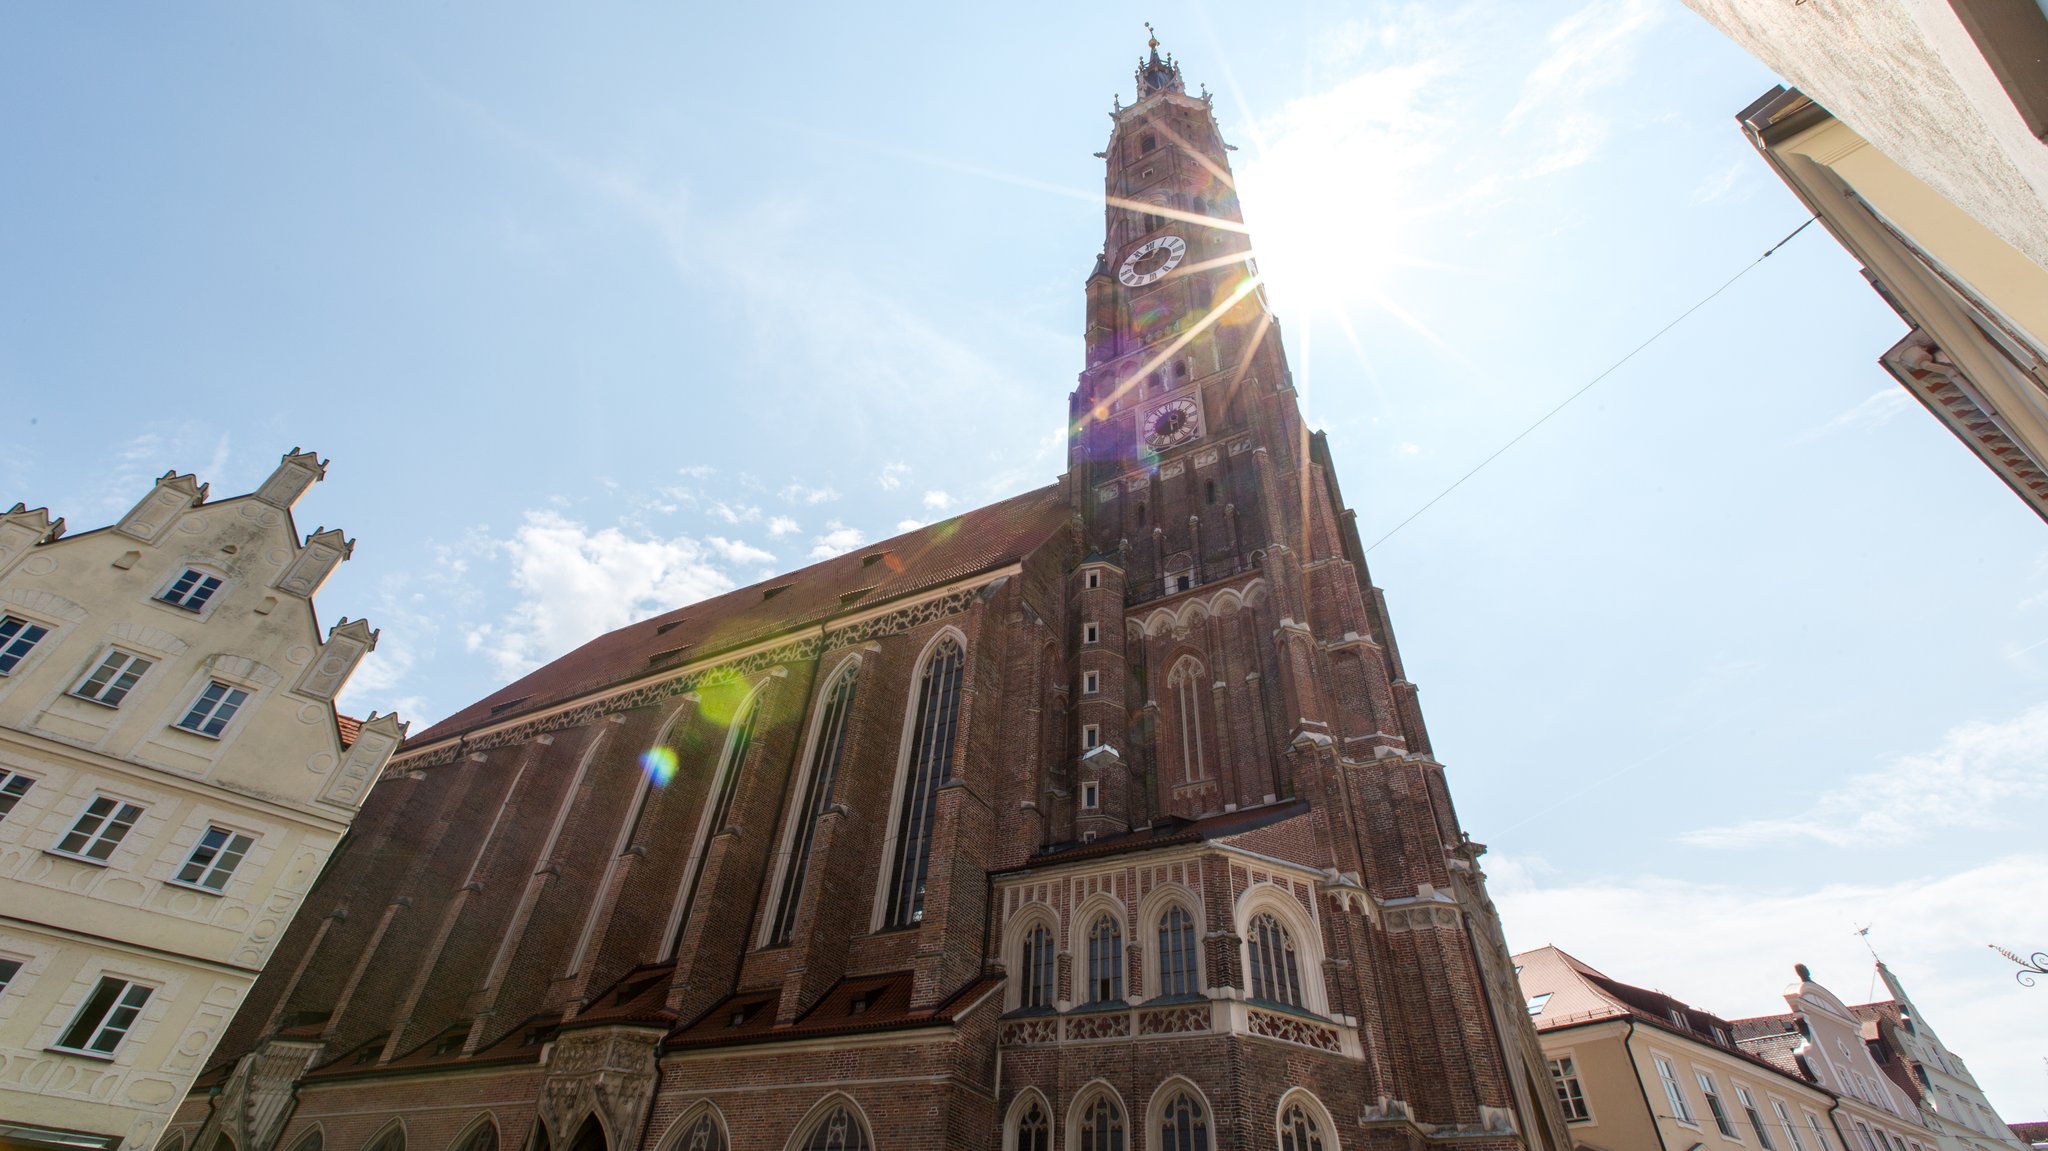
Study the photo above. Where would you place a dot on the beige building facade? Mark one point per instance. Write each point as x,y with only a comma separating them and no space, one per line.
1951,1104
173,777
1822,1041
1635,1069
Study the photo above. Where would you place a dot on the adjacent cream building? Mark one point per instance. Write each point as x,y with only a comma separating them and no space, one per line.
173,777
1821,1040
1636,1069
1951,1104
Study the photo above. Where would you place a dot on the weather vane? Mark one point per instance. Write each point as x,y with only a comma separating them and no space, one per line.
2036,964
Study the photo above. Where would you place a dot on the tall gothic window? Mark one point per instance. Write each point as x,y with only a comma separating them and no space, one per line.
1186,686
1034,1130
1276,976
704,1135
1037,990
840,1131
817,796
1299,1130
931,764
1105,961
1182,1125
1102,1125
1177,952
741,738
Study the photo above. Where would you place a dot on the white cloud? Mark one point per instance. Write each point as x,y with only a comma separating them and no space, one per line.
838,539
1407,449
779,526
575,584
739,551
1730,948
1874,409
892,476
732,514
1592,49
1720,184
696,471
908,526
938,501
797,493
1974,780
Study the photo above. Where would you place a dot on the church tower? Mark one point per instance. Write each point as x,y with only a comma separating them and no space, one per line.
1099,818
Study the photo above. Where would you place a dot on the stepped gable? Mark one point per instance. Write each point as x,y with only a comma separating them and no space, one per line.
917,561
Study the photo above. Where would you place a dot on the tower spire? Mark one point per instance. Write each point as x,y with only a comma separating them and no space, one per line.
1154,74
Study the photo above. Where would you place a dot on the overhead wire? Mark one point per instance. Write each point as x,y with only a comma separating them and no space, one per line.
1588,386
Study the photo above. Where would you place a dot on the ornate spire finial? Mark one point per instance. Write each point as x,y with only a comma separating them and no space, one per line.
1151,38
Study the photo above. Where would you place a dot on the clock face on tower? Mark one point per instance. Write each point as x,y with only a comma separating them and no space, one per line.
1171,423
1151,260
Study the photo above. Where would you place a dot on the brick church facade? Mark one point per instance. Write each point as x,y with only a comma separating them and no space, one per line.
1100,818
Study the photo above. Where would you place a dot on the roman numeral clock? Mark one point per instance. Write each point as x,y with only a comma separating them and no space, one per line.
1172,422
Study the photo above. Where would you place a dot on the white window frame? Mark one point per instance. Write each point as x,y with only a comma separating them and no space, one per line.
1717,1106
1674,1091
204,718
100,1027
103,821
1091,683
14,650
234,847
207,596
1091,796
1537,1001
1091,736
1091,633
7,977
121,678
1784,1114
1820,1135
1558,1078
1756,1117
1094,579
13,785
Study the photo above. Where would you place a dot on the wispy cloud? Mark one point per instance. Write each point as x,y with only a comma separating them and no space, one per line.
575,583
1877,408
779,526
892,476
734,513
1980,776
837,540
938,501
1592,49
739,551
798,493
1724,182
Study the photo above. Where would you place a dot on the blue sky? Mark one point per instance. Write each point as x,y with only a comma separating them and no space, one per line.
598,311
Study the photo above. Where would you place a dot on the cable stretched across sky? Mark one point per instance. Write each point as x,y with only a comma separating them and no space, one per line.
1588,386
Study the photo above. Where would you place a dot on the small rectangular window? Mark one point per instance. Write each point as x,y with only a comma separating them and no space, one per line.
13,785
191,590
214,859
18,637
102,827
1714,1106
1094,579
107,1016
1091,735
1091,633
1756,1118
213,709
1091,794
111,681
9,968
1570,1095
1091,682
1681,1110
1536,1003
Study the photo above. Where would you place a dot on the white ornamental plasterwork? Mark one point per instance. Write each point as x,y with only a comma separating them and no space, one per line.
253,1105
609,1072
1205,457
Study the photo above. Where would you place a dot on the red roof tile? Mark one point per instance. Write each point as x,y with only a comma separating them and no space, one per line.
981,540
350,728
1169,831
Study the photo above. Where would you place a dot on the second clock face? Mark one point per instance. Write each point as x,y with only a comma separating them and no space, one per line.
1151,260
1171,423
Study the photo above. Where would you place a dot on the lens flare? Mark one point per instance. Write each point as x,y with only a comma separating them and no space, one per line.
660,765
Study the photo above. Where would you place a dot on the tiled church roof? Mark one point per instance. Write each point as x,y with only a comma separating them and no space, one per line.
930,557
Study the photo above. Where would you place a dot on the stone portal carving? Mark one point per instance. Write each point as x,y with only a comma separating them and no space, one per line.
606,1071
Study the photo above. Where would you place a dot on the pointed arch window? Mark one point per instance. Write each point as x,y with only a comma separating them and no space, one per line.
1037,989
1276,974
1102,1125
1183,1124
1105,961
818,777
738,742
930,766
1034,1129
1185,686
840,1131
1177,952
703,1135
1299,1130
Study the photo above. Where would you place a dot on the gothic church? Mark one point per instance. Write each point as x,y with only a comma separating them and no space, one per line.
1099,819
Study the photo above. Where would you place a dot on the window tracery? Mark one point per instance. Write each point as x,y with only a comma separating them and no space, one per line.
1102,1125
1183,1124
1037,989
1105,961
1177,954
817,796
929,767
1275,972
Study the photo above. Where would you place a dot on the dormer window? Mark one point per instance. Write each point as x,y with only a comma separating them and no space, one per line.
191,590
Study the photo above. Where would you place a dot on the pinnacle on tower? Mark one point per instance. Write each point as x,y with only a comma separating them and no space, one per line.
1156,75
